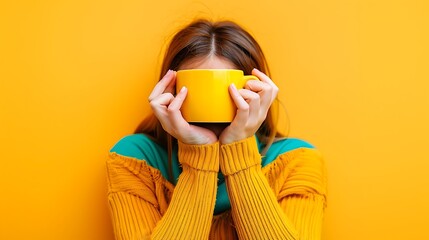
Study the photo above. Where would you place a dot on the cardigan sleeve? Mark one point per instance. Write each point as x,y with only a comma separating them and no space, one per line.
259,213
133,204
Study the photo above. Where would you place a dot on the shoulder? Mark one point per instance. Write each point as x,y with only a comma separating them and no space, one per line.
286,145
139,146
299,160
132,145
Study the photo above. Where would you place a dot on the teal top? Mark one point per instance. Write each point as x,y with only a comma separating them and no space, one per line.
141,147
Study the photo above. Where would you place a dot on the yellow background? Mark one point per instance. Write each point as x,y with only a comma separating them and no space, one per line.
75,76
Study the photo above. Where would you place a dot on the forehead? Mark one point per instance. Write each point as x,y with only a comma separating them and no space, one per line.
212,62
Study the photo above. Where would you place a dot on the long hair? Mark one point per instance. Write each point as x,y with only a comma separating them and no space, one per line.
225,39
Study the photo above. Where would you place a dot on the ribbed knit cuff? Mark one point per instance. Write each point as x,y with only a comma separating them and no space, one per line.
201,157
239,155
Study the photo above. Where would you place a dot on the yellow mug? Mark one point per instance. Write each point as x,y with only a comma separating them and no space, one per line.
208,98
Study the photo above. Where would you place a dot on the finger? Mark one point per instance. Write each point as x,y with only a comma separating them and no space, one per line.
265,79
253,100
255,85
159,106
242,105
162,101
174,113
162,85
261,76
172,85
176,104
264,90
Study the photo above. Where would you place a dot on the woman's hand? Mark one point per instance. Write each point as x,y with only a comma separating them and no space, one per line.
166,108
252,104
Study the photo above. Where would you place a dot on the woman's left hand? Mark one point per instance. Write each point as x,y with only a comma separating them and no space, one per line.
252,104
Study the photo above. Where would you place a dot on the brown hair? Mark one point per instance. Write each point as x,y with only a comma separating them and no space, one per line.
225,39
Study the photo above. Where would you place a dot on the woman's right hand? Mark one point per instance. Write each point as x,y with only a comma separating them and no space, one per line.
166,108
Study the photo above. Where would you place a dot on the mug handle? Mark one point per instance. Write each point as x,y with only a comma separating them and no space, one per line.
249,77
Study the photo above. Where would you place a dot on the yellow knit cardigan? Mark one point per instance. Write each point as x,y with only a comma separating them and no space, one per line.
283,200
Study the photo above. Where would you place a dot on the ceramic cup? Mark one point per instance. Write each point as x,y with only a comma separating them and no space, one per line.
208,98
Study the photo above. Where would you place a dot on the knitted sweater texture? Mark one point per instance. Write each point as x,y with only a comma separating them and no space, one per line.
279,196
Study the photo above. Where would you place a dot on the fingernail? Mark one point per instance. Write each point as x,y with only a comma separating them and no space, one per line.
233,86
183,89
169,72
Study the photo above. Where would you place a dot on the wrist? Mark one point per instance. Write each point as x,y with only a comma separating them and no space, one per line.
229,139
199,140
239,155
201,157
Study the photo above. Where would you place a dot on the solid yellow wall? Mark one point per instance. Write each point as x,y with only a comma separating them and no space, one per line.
75,76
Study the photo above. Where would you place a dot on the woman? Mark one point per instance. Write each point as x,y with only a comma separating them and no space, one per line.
175,180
